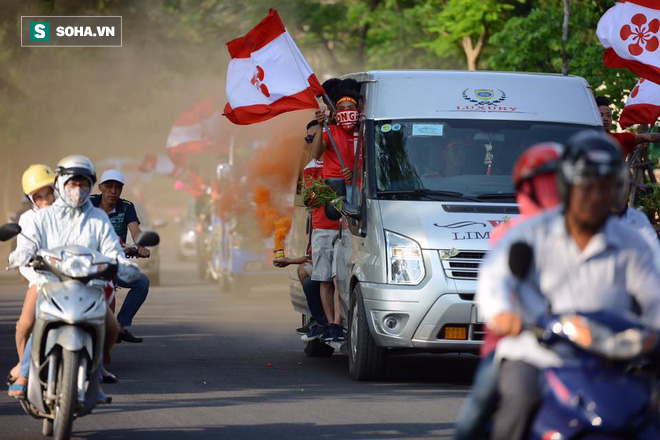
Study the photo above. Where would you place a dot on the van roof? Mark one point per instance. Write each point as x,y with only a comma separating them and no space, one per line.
437,94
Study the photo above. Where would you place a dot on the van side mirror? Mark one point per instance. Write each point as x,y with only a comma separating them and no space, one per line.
348,209
338,185
148,238
351,210
9,231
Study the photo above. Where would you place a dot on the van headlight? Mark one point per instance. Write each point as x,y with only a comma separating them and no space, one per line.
405,264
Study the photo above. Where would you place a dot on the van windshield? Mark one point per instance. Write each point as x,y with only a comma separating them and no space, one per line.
456,159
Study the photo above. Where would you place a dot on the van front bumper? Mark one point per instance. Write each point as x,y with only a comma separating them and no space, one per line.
416,317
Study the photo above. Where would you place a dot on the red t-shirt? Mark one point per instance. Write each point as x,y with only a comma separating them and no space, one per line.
313,171
345,141
626,140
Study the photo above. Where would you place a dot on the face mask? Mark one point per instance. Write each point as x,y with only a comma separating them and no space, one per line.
347,119
77,196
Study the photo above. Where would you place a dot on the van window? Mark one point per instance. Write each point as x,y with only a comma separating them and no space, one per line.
470,158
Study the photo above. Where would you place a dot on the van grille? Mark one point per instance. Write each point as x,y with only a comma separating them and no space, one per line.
463,266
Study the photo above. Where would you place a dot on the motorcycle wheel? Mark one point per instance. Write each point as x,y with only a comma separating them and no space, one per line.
47,429
67,394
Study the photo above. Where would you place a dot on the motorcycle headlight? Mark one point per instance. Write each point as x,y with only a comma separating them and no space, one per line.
405,264
76,266
601,340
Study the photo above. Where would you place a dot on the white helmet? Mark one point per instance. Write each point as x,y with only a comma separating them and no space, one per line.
72,166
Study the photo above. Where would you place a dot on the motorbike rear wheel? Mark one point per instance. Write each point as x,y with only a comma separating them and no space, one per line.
67,394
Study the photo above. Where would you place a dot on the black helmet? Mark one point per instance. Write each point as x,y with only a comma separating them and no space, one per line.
589,153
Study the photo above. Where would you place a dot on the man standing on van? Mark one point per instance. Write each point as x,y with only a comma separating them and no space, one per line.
326,232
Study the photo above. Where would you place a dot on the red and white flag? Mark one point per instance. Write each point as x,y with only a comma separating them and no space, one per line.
196,131
267,75
643,104
630,33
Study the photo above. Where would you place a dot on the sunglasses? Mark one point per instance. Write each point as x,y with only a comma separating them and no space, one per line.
310,138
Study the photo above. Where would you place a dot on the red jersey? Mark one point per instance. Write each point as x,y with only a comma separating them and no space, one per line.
626,140
313,171
345,141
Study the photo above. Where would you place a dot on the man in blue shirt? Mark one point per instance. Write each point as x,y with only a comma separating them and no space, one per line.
123,218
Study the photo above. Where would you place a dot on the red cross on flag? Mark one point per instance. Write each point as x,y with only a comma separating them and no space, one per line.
643,105
267,75
630,33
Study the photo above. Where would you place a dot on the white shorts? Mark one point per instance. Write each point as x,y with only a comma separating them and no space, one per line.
323,254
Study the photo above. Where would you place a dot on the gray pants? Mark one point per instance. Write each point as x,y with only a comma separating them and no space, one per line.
520,397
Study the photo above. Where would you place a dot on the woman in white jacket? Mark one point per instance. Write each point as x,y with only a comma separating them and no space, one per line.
71,220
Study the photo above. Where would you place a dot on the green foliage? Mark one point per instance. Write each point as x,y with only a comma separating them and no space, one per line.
317,193
650,202
534,43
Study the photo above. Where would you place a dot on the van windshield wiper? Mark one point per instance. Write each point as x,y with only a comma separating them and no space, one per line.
487,196
425,193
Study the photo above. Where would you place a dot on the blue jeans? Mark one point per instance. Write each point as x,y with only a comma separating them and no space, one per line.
134,299
25,362
481,404
312,290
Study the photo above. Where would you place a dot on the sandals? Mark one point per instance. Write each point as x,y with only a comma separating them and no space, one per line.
17,391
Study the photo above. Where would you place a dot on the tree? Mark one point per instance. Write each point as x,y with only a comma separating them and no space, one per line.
467,24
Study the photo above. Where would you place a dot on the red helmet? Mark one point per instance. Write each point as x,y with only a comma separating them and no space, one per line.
538,159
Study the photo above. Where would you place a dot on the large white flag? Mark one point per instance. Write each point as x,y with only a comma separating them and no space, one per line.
630,33
268,75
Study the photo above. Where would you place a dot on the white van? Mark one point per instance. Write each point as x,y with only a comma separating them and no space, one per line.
438,149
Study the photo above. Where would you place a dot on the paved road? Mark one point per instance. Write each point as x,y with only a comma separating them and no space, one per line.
202,373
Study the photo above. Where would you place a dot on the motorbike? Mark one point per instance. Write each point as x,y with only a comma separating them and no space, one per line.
69,332
607,387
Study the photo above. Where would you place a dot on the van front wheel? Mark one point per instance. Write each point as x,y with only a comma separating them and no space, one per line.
366,360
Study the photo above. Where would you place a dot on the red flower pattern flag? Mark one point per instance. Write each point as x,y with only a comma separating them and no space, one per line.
267,75
643,104
630,33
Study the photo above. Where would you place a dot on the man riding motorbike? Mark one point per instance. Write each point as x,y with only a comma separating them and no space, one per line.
123,217
72,220
534,178
584,259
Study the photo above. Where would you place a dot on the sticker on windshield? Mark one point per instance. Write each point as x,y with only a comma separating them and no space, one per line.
396,127
427,129
386,128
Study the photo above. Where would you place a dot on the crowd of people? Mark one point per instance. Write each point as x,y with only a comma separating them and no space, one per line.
63,212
